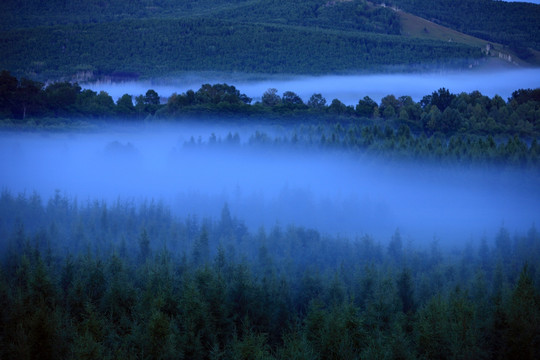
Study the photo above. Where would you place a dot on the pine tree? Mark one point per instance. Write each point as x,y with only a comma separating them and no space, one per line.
201,248
523,334
395,248
406,291
144,246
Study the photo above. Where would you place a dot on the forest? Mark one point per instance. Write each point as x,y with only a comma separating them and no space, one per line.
154,47
121,280
56,40
148,38
466,128
99,277
210,225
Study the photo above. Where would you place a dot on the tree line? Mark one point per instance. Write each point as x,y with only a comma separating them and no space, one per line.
25,98
389,144
124,280
441,112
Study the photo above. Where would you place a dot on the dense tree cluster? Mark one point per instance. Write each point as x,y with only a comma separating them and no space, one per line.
400,144
459,128
36,13
356,15
165,37
157,37
120,280
395,145
218,98
352,15
441,112
24,98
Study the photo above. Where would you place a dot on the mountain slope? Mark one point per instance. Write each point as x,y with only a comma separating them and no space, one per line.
159,37
159,47
416,27
513,24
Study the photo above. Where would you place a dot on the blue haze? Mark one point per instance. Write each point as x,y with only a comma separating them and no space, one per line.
334,193
347,88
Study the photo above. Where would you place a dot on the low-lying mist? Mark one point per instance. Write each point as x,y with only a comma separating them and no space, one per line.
334,192
347,88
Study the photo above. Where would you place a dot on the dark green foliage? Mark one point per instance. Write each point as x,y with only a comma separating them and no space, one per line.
442,98
124,106
292,294
406,291
220,93
523,96
293,101
22,99
447,328
316,101
395,248
144,246
353,15
522,335
125,39
201,249
271,98
156,47
36,13
62,95
366,107
340,109
464,128
19,99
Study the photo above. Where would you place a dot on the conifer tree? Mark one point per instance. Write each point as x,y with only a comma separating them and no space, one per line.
523,313
201,248
144,246
406,291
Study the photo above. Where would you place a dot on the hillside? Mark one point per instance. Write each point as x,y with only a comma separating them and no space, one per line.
516,25
157,37
416,27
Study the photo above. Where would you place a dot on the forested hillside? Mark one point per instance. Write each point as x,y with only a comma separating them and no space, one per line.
140,254
96,280
157,47
342,15
37,13
149,38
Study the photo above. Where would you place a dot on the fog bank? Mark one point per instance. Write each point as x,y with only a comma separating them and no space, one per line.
331,192
347,88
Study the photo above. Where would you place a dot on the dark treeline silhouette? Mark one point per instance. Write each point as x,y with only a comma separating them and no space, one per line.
442,127
389,144
124,280
24,98
440,112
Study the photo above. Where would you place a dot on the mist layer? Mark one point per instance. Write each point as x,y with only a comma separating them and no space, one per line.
347,88
332,192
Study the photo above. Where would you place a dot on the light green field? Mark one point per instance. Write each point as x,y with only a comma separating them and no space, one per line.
417,27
